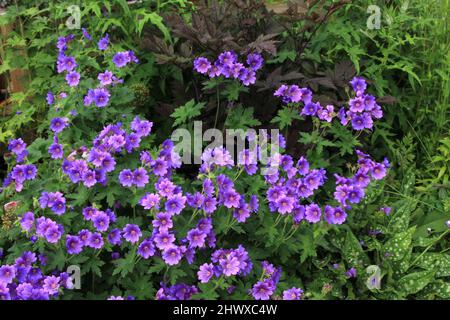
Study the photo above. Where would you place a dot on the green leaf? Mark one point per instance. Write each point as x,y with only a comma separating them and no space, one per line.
399,245
414,282
352,250
437,261
285,117
187,112
241,118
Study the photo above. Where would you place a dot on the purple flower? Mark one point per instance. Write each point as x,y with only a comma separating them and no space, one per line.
163,221
95,240
103,43
175,204
339,216
126,178
312,213
351,273
121,59
50,98
100,97
285,204
73,78
146,249
293,294
105,78
53,234
7,274
115,237
358,122
202,65
227,58
56,151
205,272
196,238
172,255
230,265
262,290
359,85
255,61
51,285
27,221
164,240
101,221
231,199
73,244
58,124
378,171
132,233
150,200
140,177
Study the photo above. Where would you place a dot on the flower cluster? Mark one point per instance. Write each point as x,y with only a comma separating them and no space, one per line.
21,172
100,160
228,65
53,200
352,190
178,291
24,280
362,108
226,262
265,288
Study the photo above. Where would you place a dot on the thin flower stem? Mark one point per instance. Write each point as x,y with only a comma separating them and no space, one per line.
218,106
429,247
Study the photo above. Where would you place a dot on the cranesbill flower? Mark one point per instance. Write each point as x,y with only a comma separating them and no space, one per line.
293,294
172,255
17,146
202,65
146,249
310,109
357,104
378,171
101,221
73,78
56,151
355,194
196,238
339,216
7,274
163,221
126,178
209,204
95,240
121,59
285,205
312,213
359,85
100,97
59,207
51,285
140,177
103,43
50,98
227,58
150,200
262,290
58,124
230,265
205,272
73,244
175,204
115,237
27,221
132,233
328,214
255,61
53,234
164,240
358,122
105,78
231,199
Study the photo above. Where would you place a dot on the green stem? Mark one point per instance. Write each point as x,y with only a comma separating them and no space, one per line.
218,106
429,247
